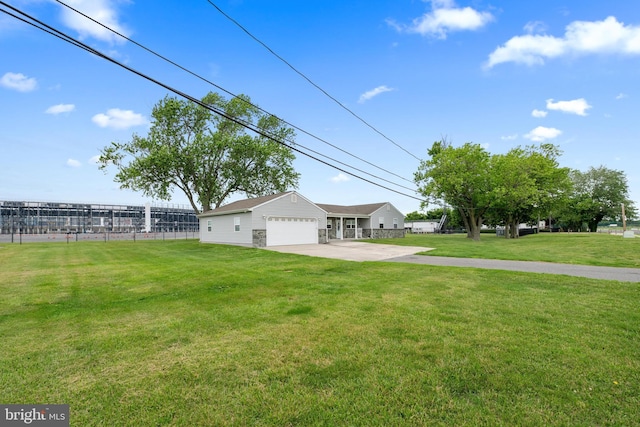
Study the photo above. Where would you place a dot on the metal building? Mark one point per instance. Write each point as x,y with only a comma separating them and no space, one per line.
46,217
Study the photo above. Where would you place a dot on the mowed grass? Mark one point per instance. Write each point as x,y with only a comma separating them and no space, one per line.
568,248
179,333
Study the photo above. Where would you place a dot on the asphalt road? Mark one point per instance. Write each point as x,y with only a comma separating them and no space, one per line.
592,272
361,251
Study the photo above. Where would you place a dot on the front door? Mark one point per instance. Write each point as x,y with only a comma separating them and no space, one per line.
338,229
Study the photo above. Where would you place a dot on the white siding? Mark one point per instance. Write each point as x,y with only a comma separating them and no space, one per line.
223,229
286,207
388,212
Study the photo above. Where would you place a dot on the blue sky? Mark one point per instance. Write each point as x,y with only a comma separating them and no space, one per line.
498,73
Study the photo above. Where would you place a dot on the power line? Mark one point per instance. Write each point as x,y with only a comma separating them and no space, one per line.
253,105
301,74
65,37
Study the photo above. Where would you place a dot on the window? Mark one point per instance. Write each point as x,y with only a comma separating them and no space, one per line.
395,222
350,223
209,225
294,198
236,223
381,221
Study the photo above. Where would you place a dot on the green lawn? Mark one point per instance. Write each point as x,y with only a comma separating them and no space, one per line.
569,248
179,333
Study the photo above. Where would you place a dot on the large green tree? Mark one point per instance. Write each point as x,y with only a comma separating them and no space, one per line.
597,194
205,155
416,216
459,176
526,183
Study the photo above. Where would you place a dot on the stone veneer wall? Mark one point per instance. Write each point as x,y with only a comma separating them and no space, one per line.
259,238
385,233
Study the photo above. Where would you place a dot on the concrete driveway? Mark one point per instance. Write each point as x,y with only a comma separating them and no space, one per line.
351,250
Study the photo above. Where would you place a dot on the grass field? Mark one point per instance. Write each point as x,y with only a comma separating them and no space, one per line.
179,333
569,248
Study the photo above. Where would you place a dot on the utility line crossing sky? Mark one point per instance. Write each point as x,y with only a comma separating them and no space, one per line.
405,73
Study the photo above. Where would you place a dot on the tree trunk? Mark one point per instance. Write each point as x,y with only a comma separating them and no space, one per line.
593,224
515,228
472,223
475,223
507,228
465,220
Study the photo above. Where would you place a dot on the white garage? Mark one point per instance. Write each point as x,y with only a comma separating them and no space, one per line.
275,220
291,231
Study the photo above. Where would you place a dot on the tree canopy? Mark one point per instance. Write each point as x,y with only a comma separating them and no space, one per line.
205,155
416,216
597,194
506,189
461,178
526,182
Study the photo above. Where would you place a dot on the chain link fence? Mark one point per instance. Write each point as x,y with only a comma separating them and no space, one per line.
17,238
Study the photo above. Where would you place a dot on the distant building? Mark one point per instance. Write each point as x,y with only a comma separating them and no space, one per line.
60,217
419,227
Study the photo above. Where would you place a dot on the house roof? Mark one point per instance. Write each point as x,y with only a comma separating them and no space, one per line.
351,210
245,205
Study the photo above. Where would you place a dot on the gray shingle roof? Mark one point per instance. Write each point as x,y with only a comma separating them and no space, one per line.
243,205
248,204
351,210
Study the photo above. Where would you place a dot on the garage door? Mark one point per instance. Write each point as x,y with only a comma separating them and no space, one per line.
291,231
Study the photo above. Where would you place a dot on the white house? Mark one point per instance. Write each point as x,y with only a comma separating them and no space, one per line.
291,219
376,221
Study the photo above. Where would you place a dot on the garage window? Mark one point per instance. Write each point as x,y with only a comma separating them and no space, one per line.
236,223
209,225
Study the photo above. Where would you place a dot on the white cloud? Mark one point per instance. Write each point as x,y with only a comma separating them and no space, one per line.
542,133
19,82
60,108
95,159
509,137
534,27
340,178
373,92
103,11
73,163
576,106
622,96
119,119
581,38
444,18
539,113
